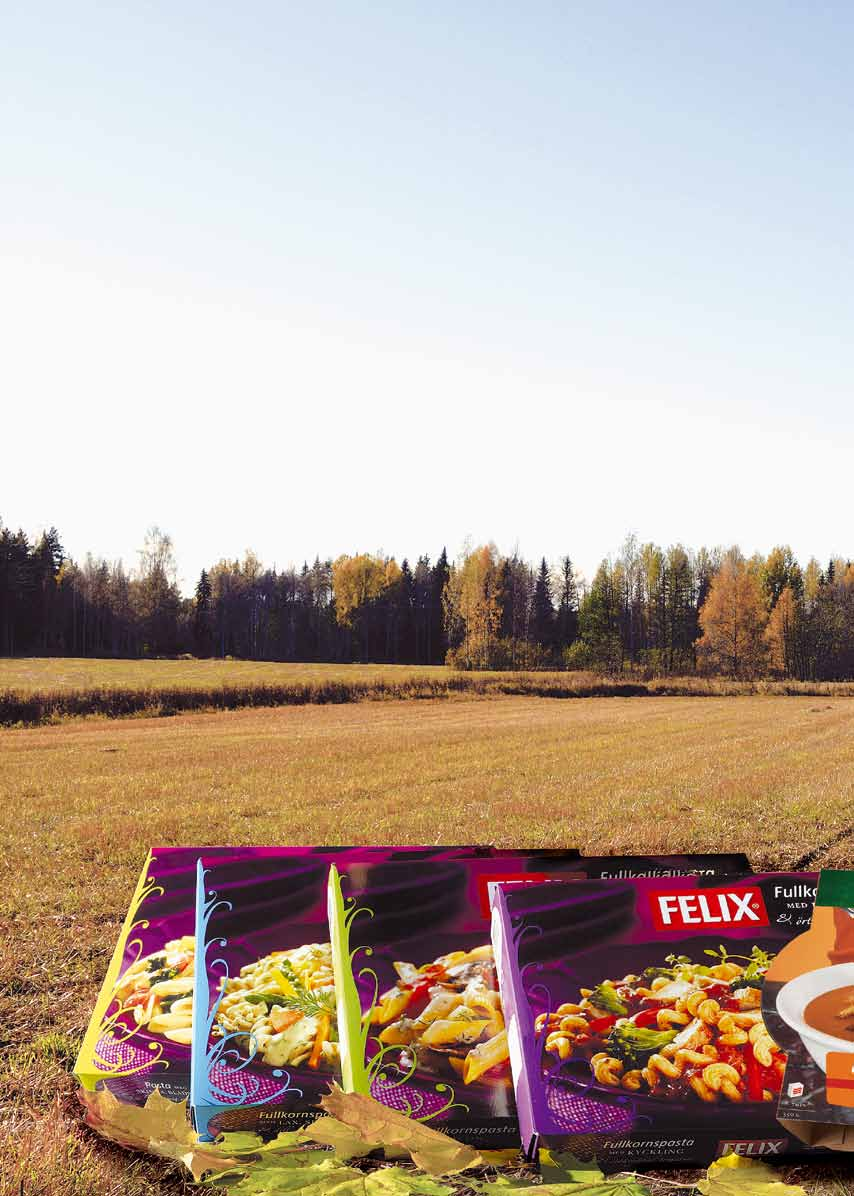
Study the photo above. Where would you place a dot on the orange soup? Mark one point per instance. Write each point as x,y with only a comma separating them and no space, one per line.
833,1013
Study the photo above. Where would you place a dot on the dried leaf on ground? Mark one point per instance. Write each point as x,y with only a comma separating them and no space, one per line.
734,1175
617,1186
435,1153
346,1141
562,1167
160,1127
313,1173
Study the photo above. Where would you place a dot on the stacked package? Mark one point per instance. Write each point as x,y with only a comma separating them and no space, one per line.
612,1006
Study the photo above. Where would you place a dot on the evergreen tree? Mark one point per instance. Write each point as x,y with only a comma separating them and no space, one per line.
47,559
202,615
599,622
438,581
405,616
543,620
422,582
566,624
16,586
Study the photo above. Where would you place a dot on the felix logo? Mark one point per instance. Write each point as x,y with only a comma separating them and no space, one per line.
754,1149
708,907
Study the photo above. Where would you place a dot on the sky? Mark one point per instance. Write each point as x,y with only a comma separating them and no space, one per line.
341,277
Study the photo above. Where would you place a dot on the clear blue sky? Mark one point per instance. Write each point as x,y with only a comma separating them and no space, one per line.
344,276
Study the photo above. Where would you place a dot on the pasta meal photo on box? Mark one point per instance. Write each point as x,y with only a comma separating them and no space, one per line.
634,1011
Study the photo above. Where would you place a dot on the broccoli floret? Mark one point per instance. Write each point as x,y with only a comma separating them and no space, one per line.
604,996
634,1044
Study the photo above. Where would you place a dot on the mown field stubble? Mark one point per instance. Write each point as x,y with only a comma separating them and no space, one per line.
83,800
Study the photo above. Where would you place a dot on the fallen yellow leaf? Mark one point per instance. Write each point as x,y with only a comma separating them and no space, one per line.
435,1153
734,1175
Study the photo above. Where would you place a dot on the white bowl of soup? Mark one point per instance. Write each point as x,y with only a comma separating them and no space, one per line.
819,1006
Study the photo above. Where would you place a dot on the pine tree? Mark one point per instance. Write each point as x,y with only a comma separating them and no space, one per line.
544,612
16,584
566,624
47,558
405,615
202,615
438,639
599,622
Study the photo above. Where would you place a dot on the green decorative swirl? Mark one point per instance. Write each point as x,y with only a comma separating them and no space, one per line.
353,1025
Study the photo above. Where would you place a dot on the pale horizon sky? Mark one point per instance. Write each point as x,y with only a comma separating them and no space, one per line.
341,277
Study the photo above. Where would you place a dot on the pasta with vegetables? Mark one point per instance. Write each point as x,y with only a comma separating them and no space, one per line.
674,1031
284,1005
447,1012
157,990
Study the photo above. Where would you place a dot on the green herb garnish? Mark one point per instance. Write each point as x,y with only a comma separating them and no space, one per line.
755,965
302,999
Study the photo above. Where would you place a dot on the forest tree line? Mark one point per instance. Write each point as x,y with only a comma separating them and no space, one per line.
646,610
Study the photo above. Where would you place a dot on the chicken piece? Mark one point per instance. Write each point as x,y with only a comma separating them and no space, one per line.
695,1035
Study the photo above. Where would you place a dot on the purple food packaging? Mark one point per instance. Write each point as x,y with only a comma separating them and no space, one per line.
120,1051
571,1051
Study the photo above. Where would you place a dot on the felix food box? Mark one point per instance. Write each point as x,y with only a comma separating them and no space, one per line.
808,1005
634,1017
426,1034
140,1031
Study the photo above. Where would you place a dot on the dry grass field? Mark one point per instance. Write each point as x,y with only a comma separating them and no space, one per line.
83,800
36,691
27,674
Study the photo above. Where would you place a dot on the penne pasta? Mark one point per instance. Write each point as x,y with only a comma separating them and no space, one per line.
184,1035
453,1030
170,1021
168,988
158,985
486,1055
391,1006
442,1013
441,1005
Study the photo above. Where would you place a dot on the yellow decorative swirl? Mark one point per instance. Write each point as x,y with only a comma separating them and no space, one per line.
106,1022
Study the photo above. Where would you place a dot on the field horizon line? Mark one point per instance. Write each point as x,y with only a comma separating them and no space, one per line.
39,707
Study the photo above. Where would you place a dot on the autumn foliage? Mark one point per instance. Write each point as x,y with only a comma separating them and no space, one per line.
646,612
732,620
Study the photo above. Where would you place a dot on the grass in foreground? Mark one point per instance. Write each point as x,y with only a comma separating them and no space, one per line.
83,801
38,691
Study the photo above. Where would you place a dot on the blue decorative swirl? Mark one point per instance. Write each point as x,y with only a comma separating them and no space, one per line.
212,1054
